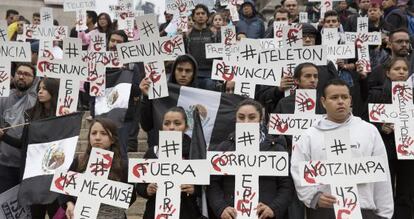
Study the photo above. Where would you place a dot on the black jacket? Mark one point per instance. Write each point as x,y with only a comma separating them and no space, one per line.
276,192
189,208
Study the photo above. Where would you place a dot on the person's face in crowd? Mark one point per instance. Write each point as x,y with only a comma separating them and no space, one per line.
374,14
281,17
99,137
364,5
89,20
114,40
42,94
247,10
308,79
168,17
342,5
387,4
331,22
36,20
292,7
103,22
309,39
12,18
230,87
200,16
400,44
247,114
398,71
218,21
190,22
184,73
337,102
174,121
23,79
20,27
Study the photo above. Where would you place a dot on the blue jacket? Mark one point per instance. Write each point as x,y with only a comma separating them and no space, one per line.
253,26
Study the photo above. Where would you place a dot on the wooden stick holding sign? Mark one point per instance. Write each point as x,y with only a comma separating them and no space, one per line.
342,171
70,70
169,171
303,117
401,114
92,187
269,163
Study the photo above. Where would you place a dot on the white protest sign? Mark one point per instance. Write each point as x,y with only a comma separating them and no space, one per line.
303,117
92,187
303,17
401,114
292,35
362,38
10,207
156,72
148,27
11,52
80,7
169,171
179,6
3,30
343,171
153,52
46,16
330,38
266,163
70,70
165,48
42,32
227,48
278,27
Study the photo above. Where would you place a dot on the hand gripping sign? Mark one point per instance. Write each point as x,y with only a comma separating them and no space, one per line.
92,187
169,171
401,114
343,172
247,163
303,117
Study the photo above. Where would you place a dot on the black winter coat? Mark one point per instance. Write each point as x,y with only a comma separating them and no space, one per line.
275,192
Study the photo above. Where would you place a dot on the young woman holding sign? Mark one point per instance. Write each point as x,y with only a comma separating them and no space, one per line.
102,134
395,70
175,119
275,193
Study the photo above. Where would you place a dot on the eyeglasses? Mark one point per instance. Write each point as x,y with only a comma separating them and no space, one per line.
24,74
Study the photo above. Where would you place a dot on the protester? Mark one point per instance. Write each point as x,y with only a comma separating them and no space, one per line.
45,107
292,7
217,21
376,199
250,23
280,15
395,70
36,18
175,119
102,134
351,24
104,25
12,108
163,26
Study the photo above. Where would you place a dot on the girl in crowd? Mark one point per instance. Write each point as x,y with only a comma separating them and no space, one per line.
217,21
175,119
45,107
396,70
102,134
275,193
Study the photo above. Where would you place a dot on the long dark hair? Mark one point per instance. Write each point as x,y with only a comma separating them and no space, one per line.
108,20
39,111
116,172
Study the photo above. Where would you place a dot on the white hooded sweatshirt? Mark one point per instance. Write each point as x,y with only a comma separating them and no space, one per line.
366,141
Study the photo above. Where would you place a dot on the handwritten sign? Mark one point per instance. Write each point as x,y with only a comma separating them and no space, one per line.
75,5
266,163
169,171
303,117
227,48
10,207
42,32
401,113
155,71
3,31
92,187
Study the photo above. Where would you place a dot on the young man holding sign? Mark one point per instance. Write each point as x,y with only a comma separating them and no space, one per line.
374,198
